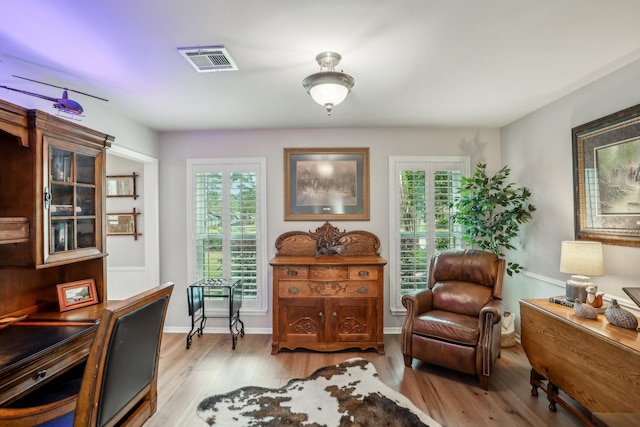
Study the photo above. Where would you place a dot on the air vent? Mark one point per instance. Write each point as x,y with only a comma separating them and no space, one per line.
208,59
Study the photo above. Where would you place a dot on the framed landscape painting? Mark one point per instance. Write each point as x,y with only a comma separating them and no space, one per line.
326,184
606,157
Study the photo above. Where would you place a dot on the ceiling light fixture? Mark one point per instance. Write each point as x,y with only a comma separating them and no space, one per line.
328,87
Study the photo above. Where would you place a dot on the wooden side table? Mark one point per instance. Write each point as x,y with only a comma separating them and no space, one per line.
595,363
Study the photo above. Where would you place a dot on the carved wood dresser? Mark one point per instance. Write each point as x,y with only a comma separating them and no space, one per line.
328,290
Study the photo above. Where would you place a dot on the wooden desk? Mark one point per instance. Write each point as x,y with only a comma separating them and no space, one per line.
42,347
595,363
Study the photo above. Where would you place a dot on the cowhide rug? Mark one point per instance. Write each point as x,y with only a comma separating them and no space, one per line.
347,394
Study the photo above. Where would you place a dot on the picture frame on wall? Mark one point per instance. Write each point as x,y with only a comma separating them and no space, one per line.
606,159
123,224
77,294
122,186
326,184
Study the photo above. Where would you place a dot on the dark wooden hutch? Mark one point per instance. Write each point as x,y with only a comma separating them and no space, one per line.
52,230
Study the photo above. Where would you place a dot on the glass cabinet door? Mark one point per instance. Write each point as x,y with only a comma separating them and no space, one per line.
72,202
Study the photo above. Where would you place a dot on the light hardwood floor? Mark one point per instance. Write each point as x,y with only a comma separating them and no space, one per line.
211,367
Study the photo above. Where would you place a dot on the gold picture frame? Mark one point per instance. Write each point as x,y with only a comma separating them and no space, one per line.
326,184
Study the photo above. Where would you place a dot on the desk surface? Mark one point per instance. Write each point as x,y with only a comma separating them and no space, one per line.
25,341
44,346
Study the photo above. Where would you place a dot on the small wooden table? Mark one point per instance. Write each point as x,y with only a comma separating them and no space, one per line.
595,363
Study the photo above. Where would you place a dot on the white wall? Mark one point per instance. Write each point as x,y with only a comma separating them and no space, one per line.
538,147
175,148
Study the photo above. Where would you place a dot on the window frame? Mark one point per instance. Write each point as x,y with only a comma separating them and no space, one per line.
260,305
397,164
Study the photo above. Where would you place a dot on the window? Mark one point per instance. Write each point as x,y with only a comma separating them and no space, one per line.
226,222
422,189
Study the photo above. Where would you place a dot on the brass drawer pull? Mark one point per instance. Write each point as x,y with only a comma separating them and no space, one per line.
363,273
293,290
362,290
292,272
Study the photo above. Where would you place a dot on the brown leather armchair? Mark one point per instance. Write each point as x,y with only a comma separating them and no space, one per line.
455,322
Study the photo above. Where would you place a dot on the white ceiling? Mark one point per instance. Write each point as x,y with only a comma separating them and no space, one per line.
476,63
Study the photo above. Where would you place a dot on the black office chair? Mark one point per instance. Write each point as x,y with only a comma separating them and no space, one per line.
119,381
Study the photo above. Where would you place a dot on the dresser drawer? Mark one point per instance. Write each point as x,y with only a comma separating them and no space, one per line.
363,272
292,272
297,289
328,273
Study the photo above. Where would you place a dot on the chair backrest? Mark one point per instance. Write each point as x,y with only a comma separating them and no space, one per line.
464,280
122,367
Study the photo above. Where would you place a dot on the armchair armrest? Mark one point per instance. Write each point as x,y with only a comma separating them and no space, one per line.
489,327
491,313
418,303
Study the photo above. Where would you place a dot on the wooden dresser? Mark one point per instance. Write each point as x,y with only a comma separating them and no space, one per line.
595,363
328,290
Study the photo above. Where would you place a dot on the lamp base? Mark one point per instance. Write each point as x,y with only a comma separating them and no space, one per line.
576,287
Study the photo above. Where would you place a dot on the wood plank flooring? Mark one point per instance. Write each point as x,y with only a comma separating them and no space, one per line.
211,367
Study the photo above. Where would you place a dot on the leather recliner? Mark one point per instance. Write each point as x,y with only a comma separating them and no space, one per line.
455,322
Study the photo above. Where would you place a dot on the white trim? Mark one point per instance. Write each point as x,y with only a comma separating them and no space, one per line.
151,209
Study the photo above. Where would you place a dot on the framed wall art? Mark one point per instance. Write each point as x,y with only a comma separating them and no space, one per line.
77,294
326,184
606,159
122,186
123,224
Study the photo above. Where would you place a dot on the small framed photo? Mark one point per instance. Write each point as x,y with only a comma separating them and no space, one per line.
77,294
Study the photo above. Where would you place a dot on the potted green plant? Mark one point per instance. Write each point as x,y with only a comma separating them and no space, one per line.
491,212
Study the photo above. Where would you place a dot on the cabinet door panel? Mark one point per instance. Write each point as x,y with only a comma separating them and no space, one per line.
352,319
302,320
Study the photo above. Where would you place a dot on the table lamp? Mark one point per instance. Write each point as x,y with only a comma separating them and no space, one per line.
580,259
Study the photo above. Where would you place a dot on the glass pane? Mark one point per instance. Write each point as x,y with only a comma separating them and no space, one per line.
86,200
86,169
61,200
86,233
208,211
448,235
61,162
413,231
61,236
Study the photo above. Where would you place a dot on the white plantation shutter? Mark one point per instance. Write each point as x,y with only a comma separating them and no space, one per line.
423,189
228,219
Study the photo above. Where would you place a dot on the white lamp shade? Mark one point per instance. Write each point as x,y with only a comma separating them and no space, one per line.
329,93
582,258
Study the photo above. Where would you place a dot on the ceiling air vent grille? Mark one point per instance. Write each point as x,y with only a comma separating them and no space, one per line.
208,59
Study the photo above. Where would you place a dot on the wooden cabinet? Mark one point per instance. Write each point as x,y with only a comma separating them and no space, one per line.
52,230
328,302
54,179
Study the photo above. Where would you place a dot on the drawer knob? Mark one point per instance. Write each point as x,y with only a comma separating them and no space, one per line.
362,290
292,272
293,290
363,273
40,375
